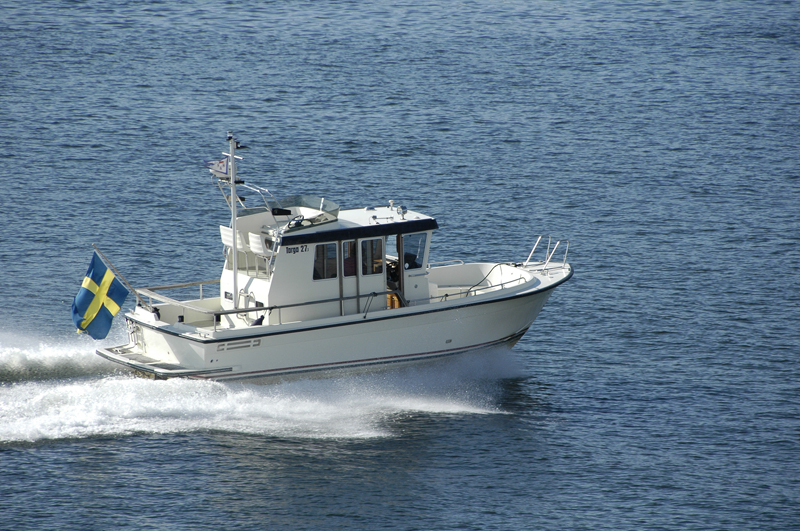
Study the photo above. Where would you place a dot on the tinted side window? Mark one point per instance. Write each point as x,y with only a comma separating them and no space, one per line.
325,261
349,258
372,257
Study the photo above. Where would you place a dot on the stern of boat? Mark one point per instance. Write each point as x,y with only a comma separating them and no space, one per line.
159,349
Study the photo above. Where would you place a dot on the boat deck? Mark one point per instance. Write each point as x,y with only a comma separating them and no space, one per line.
126,355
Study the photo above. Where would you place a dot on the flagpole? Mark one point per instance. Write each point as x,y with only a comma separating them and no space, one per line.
233,222
119,275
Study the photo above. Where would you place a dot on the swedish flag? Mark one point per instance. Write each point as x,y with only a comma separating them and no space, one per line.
100,298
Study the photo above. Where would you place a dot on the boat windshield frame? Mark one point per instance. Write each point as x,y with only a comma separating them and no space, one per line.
311,201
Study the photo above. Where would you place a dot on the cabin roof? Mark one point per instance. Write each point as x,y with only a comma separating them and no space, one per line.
361,223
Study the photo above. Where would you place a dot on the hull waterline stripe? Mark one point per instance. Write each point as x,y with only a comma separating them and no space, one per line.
367,361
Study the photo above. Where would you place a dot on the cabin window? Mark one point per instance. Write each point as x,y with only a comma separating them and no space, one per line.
414,250
372,257
325,261
349,258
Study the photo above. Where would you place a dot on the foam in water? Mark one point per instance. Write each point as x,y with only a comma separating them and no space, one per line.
27,358
352,406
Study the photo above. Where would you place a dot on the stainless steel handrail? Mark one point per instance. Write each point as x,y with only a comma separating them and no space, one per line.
473,290
163,298
500,286
445,262
549,254
182,285
533,250
270,309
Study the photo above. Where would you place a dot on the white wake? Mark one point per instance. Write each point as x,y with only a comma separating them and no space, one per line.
67,391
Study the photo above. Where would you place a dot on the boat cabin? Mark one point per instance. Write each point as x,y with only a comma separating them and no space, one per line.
307,259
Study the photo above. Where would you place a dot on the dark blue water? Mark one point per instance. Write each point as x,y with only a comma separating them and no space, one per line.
659,388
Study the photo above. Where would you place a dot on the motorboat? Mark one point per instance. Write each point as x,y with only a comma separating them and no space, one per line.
309,287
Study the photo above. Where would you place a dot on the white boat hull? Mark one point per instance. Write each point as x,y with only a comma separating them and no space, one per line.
388,336
307,286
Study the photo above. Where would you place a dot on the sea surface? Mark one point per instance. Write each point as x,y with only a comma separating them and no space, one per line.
658,389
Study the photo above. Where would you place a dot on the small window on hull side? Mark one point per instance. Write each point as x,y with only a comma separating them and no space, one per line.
325,261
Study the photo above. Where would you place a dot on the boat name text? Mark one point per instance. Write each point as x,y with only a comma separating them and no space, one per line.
297,249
